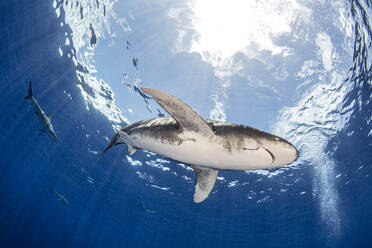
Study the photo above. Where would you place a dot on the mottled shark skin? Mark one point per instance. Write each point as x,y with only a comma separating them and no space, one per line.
207,146
44,119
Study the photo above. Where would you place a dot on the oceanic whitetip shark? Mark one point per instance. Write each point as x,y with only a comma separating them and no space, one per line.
207,146
59,196
44,119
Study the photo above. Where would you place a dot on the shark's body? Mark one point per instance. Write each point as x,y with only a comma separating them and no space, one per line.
206,145
232,147
44,119
59,196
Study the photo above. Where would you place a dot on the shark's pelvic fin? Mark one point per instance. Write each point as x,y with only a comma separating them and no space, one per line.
131,149
29,91
186,117
205,180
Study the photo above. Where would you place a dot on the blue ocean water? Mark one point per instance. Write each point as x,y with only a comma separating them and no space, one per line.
309,83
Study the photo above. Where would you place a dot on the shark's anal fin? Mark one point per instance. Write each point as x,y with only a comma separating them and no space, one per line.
186,117
131,149
205,180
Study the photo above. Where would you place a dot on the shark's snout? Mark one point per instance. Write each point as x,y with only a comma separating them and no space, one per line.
53,135
281,151
285,152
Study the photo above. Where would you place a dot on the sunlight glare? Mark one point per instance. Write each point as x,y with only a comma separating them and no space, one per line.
228,26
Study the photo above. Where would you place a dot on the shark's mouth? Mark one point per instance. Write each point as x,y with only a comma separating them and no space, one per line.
267,150
271,154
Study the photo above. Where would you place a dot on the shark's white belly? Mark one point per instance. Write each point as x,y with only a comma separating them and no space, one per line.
206,152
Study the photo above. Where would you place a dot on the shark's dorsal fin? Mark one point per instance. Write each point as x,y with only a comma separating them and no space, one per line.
186,117
205,180
131,149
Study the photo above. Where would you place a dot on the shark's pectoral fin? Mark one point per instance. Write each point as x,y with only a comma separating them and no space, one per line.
131,149
186,117
205,180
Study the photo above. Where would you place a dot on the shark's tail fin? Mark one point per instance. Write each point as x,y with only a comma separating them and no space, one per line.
29,92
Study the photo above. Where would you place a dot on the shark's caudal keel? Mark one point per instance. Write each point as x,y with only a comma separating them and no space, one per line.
44,119
205,145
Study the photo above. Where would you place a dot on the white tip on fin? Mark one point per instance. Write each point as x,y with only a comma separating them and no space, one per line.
131,149
186,117
205,180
